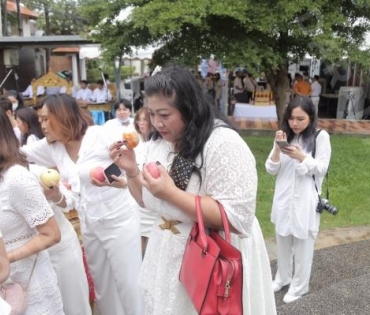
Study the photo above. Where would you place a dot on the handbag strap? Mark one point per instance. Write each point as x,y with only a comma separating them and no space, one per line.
201,228
33,269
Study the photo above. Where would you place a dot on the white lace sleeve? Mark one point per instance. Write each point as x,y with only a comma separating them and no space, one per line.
231,178
27,199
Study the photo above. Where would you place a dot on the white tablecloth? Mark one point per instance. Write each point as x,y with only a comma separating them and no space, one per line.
254,111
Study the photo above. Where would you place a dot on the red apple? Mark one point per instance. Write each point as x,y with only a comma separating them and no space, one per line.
131,138
153,169
97,173
50,176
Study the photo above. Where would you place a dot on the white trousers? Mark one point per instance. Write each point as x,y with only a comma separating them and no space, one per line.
289,248
68,264
113,253
315,100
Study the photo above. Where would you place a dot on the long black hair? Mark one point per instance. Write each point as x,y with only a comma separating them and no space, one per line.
29,116
198,112
307,135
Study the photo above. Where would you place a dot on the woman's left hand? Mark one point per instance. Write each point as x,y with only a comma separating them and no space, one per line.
52,193
294,152
118,182
160,187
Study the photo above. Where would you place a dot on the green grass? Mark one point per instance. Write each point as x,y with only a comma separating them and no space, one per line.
349,178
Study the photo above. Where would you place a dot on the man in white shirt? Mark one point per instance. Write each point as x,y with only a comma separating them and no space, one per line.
28,93
315,91
84,94
101,93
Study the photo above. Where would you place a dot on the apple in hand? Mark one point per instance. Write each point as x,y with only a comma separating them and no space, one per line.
50,176
97,173
153,169
131,139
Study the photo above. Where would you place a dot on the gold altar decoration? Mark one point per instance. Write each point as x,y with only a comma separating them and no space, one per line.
49,80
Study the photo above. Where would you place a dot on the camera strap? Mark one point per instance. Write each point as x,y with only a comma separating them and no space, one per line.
327,173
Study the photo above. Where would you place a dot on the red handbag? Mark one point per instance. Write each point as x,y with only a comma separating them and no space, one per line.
212,270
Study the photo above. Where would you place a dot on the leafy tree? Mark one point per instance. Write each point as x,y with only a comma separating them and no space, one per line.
264,34
115,35
61,17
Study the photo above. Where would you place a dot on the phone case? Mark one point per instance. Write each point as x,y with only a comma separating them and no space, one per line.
181,171
282,143
112,169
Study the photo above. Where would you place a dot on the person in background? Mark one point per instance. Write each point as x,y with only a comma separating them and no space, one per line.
110,224
28,93
122,109
200,79
249,87
189,130
315,92
29,125
145,129
16,99
295,199
210,85
238,91
301,87
101,94
219,84
28,226
7,106
84,93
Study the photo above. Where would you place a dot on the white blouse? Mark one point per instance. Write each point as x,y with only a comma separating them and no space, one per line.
295,198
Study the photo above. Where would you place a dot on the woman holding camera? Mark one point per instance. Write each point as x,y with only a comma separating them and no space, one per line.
296,198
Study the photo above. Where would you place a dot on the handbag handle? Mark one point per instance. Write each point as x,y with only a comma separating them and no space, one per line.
202,233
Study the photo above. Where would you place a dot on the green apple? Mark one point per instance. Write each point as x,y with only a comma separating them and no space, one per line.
50,176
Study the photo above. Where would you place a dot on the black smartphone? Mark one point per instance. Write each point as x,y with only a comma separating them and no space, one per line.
112,169
282,143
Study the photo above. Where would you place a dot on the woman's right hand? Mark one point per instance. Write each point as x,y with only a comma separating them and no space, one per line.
279,136
124,158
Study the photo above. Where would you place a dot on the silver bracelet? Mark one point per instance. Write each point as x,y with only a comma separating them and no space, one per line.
60,200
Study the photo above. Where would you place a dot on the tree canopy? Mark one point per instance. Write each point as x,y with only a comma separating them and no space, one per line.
263,34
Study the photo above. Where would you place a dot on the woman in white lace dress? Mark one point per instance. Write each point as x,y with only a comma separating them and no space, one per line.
28,227
187,125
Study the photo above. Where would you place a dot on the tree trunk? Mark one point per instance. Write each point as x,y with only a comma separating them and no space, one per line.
117,75
19,18
279,83
4,18
47,32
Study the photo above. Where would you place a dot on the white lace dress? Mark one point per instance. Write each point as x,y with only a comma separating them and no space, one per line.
229,176
24,207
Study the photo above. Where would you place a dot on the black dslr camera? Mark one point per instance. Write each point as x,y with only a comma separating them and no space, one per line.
325,205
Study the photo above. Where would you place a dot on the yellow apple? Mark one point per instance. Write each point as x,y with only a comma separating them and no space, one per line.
50,176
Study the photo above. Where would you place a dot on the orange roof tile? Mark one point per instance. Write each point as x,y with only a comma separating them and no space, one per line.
12,7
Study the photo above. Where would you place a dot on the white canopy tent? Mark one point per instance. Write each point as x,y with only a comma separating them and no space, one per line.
139,58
